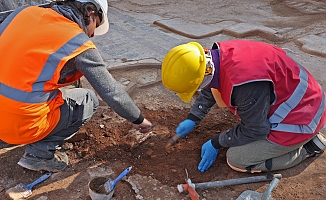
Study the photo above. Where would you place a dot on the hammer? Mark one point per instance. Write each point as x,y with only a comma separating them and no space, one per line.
191,187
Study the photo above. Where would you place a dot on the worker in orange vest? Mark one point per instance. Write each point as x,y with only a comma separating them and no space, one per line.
281,106
42,50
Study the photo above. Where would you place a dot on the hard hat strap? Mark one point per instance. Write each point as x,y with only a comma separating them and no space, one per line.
209,64
209,71
100,15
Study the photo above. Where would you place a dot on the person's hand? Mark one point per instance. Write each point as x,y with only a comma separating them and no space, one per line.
185,127
144,127
208,155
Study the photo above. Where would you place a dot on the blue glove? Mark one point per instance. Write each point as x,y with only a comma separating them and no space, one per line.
185,127
208,155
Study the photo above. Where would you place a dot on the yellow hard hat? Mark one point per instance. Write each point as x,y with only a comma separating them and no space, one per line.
183,69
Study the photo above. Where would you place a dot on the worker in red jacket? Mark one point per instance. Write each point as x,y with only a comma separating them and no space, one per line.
43,50
280,104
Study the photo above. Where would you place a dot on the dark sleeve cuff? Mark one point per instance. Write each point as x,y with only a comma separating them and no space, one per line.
215,142
139,120
194,118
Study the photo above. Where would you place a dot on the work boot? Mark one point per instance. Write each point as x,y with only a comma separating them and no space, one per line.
58,163
315,146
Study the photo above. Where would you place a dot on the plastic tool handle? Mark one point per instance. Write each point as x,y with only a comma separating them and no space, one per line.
112,183
123,174
37,181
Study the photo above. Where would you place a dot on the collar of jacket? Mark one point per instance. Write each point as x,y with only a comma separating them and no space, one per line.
69,13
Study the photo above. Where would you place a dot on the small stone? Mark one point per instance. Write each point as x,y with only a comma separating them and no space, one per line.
67,146
80,135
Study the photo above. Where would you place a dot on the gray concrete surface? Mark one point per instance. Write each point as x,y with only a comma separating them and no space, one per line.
145,37
131,41
6,5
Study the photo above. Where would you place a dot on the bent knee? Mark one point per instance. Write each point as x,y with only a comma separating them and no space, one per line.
238,162
235,157
93,98
248,169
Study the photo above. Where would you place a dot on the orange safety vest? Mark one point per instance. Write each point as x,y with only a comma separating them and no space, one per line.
35,44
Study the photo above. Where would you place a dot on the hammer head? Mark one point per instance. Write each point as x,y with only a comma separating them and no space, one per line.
190,188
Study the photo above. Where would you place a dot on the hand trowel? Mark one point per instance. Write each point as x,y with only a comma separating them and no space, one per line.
109,185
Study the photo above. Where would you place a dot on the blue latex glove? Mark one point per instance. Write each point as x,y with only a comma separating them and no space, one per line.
185,127
208,155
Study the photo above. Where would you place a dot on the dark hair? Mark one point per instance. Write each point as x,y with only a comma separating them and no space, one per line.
82,8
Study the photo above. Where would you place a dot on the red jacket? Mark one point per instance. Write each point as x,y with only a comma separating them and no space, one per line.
298,111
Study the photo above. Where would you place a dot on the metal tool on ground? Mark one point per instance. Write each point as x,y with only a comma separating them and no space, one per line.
22,190
149,129
172,141
266,195
191,187
101,188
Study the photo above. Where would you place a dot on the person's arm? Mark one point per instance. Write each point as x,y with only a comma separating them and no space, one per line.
202,105
200,108
252,102
91,65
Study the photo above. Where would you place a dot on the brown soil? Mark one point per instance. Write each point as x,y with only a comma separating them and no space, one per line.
110,146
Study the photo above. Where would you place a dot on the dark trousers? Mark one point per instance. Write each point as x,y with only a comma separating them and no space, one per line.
79,106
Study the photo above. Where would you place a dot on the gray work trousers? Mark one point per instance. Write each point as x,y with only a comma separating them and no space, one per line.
256,153
79,106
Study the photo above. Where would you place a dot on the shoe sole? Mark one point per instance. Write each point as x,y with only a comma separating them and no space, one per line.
26,166
320,141
25,163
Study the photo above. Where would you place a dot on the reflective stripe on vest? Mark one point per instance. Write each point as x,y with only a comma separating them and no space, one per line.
31,66
37,95
12,15
286,107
